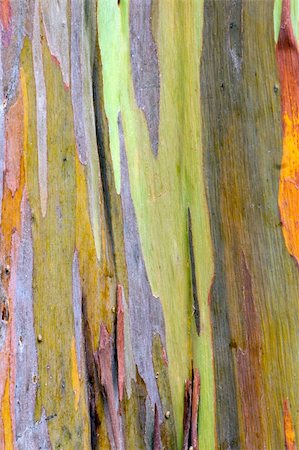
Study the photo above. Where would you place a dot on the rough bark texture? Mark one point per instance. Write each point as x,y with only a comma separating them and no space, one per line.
149,183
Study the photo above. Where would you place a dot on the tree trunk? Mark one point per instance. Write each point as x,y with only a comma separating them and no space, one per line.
149,189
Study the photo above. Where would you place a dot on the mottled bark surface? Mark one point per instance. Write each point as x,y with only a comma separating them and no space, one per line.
149,196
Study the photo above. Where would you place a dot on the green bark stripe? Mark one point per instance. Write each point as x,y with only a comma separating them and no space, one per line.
163,187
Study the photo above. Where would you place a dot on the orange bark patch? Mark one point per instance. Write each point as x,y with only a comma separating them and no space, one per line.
14,177
288,63
289,186
11,212
289,432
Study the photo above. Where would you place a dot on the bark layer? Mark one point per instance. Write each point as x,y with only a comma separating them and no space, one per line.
148,214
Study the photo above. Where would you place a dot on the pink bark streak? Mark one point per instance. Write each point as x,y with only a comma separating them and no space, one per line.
157,437
195,404
248,365
191,404
5,13
104,367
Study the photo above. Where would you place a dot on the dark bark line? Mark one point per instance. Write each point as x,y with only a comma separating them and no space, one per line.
196,310
187,414
191,404
92,384
255,290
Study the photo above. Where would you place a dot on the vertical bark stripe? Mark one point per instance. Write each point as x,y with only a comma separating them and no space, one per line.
6,419
75,374
41,110
55,22
288,65
120,342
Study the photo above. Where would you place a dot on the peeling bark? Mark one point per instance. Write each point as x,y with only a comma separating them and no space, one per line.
149,194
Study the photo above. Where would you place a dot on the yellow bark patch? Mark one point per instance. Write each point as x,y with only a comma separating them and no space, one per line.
84,236
85,245
6,417
75,374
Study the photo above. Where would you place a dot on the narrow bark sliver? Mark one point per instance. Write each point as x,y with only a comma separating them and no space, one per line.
191,405
104,368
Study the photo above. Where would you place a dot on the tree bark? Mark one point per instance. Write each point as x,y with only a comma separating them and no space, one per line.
149,196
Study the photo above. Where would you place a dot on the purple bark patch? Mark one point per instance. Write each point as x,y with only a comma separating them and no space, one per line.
146,314
145,67
28,433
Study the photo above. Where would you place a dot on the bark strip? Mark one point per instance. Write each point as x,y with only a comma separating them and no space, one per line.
187,413
120,342
103,363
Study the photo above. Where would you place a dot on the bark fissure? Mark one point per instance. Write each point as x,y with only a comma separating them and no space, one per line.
196,311
92,384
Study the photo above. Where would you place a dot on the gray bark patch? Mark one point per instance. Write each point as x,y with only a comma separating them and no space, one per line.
41,110
146,314
12,42
54,14
145,67
2,131
36,436
77,76
235,36
29,434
